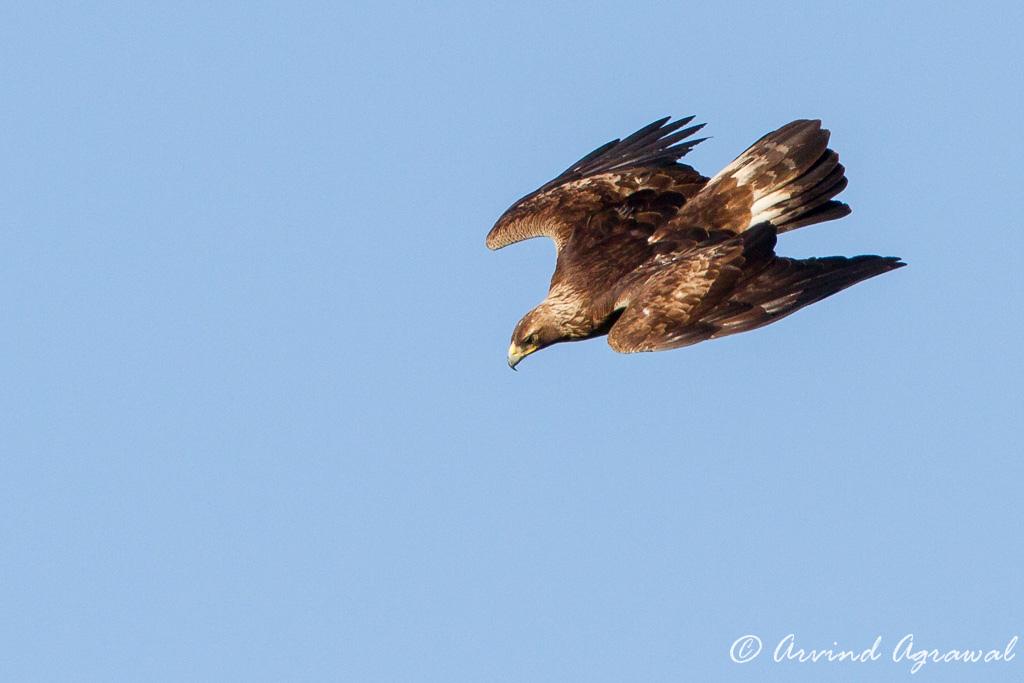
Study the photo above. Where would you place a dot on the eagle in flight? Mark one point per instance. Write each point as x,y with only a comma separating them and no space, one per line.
657,256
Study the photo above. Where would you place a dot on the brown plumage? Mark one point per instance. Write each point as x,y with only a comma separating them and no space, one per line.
657,256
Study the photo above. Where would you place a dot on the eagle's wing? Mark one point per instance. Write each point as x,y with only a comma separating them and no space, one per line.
734,286
633,178
665,297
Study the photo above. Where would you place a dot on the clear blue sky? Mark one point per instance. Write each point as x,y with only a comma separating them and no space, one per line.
255,414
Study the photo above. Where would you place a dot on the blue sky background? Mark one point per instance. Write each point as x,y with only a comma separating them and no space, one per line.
256,418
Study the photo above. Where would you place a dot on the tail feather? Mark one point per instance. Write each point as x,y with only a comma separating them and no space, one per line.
790,205
788,177
829,211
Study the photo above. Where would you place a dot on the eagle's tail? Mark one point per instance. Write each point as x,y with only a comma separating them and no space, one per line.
788,177
795,176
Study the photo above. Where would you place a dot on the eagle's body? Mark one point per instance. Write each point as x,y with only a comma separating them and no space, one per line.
657,256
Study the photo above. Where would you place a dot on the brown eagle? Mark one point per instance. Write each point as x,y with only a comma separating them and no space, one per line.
657,256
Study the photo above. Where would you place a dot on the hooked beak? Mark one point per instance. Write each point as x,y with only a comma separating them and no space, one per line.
516,354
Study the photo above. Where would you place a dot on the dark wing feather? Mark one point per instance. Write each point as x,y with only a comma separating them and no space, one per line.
666,298
788,285
677,307
601,181
652,146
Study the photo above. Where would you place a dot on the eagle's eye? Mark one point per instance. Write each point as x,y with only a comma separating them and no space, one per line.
531,339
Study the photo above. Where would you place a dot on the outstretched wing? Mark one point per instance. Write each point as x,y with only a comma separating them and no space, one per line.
636,175
665,298
786,286
736,286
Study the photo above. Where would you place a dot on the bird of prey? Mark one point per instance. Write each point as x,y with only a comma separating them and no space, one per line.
657,256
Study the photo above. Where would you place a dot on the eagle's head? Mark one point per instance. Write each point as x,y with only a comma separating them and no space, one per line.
555,320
